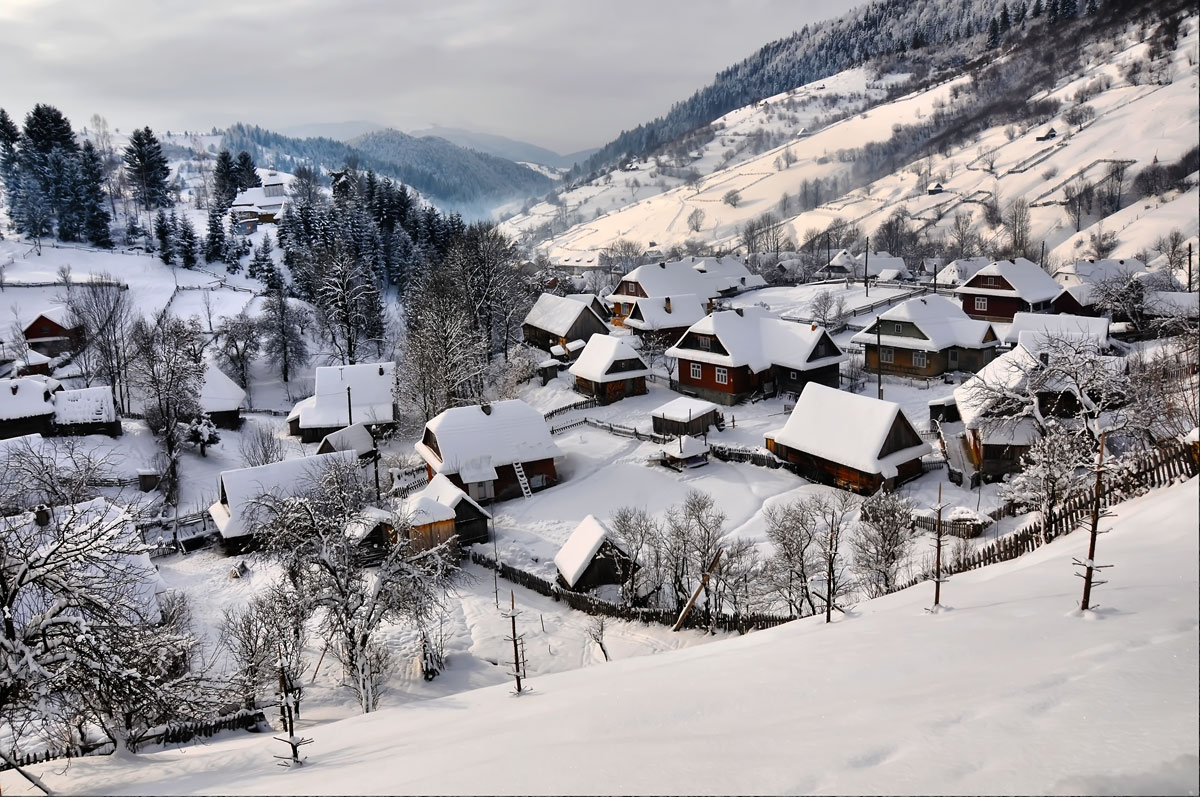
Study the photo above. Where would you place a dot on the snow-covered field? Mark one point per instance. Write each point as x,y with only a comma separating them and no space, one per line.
1009,690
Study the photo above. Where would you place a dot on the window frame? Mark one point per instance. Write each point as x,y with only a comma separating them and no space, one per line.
980,303
721,375
697,371
920,359
887,355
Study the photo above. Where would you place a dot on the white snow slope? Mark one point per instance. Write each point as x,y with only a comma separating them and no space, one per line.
1012,691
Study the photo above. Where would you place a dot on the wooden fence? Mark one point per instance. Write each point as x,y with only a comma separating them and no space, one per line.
594,606
172,733
763,459
1156,469
579,405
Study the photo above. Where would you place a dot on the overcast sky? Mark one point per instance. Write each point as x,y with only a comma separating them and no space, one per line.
564,74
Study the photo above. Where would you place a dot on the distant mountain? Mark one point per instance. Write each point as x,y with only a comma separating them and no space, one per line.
338,131
455,178
502,147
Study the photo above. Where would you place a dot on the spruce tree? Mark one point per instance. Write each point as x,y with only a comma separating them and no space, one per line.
1005,20
225,183
1068,8
47,128
1052,11
262,264
147,169
96,217
185,242
1091,7
214,241
162,231
1037,9
245,171
993,36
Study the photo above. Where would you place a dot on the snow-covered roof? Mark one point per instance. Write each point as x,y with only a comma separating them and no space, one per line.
27,397
356,437
1173,303
585,298
257,198
473,443
219,393
370,398
755,339
651,314
1090,272
956,272
86,405
31,358
557,314
447,493
940,319
876,263
706,278
1027,279
57,313
846,428
26,442
1192,436
366,520
601,354
240,488
580,548
686,446
422,509
683,409
1057,325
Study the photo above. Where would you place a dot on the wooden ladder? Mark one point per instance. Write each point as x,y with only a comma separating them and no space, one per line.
519,469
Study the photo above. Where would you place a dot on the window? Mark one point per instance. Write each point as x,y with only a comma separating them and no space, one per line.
887,355
989,281
704,343
918,359
722,375
696,372
792,376
980,303
899,328
273,190
953,358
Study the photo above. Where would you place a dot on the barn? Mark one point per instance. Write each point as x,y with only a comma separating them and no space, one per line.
850,441
609,369
591,557
492,451
470,519
221,398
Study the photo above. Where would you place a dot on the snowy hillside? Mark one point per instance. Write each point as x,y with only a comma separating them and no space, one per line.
1011,690
1136,123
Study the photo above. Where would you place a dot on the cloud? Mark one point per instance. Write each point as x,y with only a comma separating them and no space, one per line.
565,74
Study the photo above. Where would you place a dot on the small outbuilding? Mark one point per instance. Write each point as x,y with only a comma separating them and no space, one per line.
850,441
609,369
221,398
52,332
27,406
686,452
686,416
356,437
470,519
591,557
557,320
89,410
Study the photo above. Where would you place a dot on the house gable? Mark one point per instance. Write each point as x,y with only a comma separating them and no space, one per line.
991,282
900,436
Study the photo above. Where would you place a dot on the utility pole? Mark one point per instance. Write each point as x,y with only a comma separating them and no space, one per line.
1090,567
866,272
937,560
517,642
349,408
1189,287
878,356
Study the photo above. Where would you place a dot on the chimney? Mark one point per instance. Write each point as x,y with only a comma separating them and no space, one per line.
739,311
814,327
41,515
487,408
667,304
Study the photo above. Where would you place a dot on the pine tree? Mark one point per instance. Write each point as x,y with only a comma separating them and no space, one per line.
1037,9
214,241
96,224
993,36
47,128
225,183
185,242
262,264
10,135
147,169
1091,7
1005,20
1068,9
245,171
1052,11
162,231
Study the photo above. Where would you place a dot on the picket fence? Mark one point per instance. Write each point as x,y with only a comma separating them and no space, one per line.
1155,469
741,623
172,733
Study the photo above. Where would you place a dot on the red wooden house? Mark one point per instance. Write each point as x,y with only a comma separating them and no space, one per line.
52,333
609,369
1004,288
732,354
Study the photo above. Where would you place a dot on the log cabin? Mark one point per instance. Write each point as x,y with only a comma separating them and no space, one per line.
926,336
557,320
609,369
850,441
52,332
733,354
493,452
591,557
1001,289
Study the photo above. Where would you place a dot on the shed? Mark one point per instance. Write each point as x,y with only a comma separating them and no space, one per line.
221,398
27,406
855,442
470,519
51,332
609,369
89,410
686,416
591,557
686,452
356,437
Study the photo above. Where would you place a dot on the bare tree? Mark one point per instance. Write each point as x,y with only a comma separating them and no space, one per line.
595,632
883,542
699,526
695,219
639,533
1079,196
833,513
103,313
239,339
245,633
1052,470
1101,244
1017,225
965,241
732,197
624,254
349,306
260,445
828,309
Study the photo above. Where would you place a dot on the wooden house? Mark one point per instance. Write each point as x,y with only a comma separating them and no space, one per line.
1090,328
880,265
850,441
51,333
492,451
356,438
240,490
89,410
665,318
733,354
927,336
373,531
593,301
557,320
1081,279
221,398
706,278
468,520
1000,290
262,204
609,369
956,272
27,406
686,416
32,363
591,557
345,395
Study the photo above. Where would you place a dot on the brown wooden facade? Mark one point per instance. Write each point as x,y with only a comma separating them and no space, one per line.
824,471
540,473
50,338
728,386
17,427
615,390
584,326
610,565
905,361
988,307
